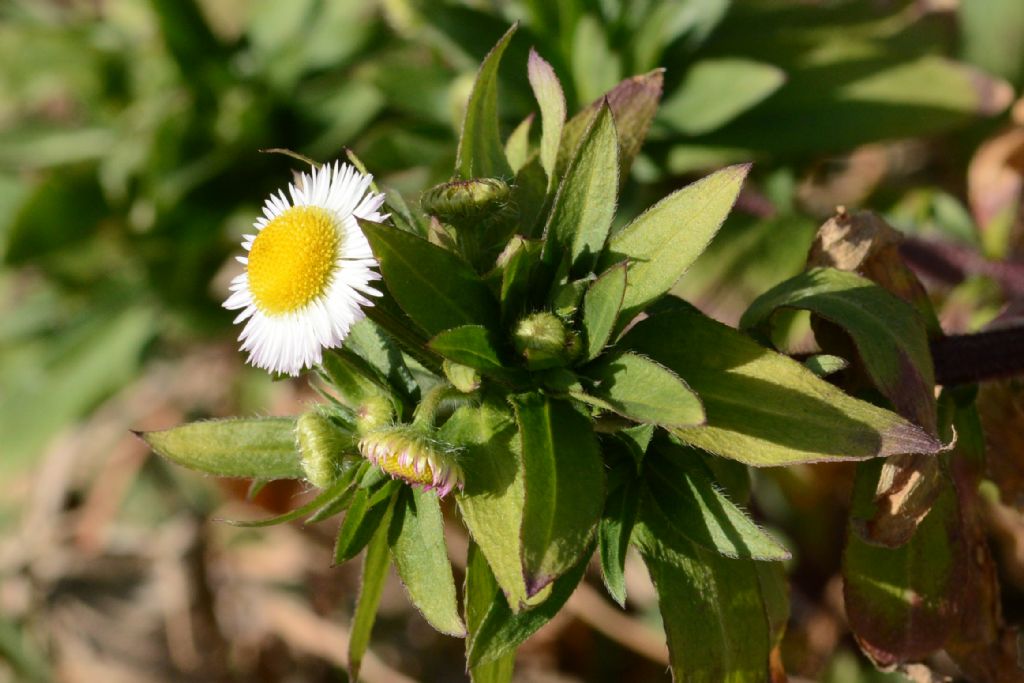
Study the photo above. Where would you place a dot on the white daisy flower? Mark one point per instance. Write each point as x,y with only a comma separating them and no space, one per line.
309,268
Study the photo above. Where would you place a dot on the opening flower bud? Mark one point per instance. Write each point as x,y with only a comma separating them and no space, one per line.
374,413
545,341
461,199
323,444
410,453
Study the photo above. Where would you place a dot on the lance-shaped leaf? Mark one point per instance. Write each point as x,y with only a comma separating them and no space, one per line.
354,378
601,306
551,99
365,514
584,206
889,334
517,147
643,390
481,154
667,238
502,630
375,571
715,91
633,102
421,558
762,407
564,478
436,288
481,592
901,601
715,610
371,344
259,447
617,520
681,491
491,502
473,346
518,263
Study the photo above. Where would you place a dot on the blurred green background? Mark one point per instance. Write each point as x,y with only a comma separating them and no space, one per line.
130,165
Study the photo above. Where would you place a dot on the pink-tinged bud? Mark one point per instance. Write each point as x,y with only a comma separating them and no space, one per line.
411,454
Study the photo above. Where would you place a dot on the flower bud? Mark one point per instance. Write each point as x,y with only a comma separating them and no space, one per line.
462,199
462,377
373,413
545,342
410,453
322,447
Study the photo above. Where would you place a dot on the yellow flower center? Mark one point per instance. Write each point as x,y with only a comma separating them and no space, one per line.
292,259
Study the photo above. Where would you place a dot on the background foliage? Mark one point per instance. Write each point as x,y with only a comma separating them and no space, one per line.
129,167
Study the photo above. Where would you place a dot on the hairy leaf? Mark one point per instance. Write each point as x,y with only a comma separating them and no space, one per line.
664,240
889,335
491,502
714,609
764,408
643,390
584,206
421,558
481,592
682,497
502,630
601,306
375,571
436,288
481,154
551,99
564,480
258,447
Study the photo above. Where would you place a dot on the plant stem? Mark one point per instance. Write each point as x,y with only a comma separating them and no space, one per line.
969,358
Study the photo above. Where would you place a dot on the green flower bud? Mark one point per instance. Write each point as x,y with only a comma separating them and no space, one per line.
411,453
461,199
462,377
373,413
545,341
322,446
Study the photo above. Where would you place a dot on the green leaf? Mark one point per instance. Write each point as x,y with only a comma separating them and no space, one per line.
684,499
421,558
601,306
437,289
481,592
518,262
471,345
257,448
326,499
480,152
517,147
713,609
491,501
501,630
764,408
375,571
633,102
667,238
715,91
368,340
823,364
992,36
551,99
584,206
564,480
364,516
889,334
900,601
645,391
354,378
615,530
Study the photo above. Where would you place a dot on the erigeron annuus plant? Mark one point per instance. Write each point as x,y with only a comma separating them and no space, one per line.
515,354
